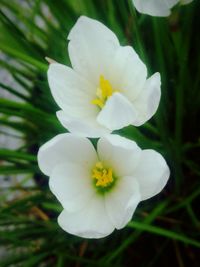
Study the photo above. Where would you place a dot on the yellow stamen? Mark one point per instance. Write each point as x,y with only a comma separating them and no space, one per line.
98,102
104,91
102,175
99,165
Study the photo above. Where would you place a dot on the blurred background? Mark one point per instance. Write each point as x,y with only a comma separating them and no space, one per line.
165,230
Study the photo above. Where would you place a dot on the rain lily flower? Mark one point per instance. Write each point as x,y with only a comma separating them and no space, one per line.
107,87
100,190
159,8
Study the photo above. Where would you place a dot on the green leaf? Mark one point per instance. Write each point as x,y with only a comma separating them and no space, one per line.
164,232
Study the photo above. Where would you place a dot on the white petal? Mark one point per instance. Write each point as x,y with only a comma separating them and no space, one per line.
128,73
88,128
65,148
72,185
90,222
119,153
117,113
148,100
122,201
71,92
91,48
152,173
160,8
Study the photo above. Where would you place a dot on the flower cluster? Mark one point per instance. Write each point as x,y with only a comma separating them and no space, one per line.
106,89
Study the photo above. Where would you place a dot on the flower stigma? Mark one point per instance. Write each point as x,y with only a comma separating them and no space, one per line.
104,91
103,177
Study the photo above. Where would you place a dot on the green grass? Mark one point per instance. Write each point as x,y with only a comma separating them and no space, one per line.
164,230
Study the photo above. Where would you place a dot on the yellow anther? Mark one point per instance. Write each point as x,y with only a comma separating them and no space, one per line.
106,87
104,91
99,165
102,175
98,102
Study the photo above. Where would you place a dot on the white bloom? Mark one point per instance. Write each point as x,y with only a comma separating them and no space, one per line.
159,8
99,191
107,88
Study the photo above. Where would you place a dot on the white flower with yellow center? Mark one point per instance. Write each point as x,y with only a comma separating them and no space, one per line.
100,190
107,87
158,8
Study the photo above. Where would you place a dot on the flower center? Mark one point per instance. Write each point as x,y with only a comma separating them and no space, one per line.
104,91
103,176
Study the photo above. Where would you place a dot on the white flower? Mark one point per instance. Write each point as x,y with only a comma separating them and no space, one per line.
159,8
100,190
107,88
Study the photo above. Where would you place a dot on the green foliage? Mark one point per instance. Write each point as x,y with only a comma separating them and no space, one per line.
164,230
